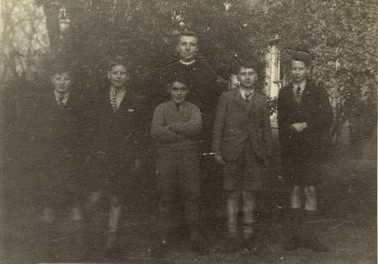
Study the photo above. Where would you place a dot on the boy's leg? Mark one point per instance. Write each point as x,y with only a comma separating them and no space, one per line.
293,220
189,181
232,213
114,216
309,239
165,172
249,206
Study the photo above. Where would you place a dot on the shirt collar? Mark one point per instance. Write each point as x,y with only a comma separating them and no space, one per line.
243,91
187,63
301,84
118,91
58,95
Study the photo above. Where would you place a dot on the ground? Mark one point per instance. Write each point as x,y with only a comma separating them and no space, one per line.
347,224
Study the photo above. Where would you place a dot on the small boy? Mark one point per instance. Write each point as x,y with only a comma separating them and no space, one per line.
175,126
242,143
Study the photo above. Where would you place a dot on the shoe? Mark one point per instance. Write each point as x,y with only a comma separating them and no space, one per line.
250,244
160,249
315,245
290,244
232,245
199,246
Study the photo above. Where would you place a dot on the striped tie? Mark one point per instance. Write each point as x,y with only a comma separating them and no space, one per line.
113,100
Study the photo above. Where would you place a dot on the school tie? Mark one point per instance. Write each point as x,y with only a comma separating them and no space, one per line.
113,100
62,102
248,96
298,91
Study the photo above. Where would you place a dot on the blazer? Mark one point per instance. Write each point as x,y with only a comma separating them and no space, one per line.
121,131
235,125
57,131
314,109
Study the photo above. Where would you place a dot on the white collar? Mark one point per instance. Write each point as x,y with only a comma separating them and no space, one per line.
187,63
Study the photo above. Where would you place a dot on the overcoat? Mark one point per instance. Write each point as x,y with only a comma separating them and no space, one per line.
116,138
301,152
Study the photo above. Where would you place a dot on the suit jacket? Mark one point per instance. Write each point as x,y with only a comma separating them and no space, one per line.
235,126
57,131
314,109
120,132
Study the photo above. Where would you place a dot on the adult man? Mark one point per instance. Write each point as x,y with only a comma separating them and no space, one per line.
304,115
196,73
242,143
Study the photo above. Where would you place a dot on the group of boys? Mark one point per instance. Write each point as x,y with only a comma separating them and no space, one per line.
233,127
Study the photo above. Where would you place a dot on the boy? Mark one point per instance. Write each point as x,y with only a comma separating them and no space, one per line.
242,143
175,127
304,114
57,137
117,129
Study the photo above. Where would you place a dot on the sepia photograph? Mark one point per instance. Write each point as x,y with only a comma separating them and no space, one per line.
188,131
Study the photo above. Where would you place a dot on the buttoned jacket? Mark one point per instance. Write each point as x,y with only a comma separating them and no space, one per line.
236,125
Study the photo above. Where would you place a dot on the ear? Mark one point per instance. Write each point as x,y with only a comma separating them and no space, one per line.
108,74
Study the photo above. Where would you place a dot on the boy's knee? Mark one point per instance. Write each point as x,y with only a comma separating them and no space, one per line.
233,195
248,195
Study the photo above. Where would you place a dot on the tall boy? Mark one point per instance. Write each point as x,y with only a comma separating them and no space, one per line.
242,141
304,114
117,125
176,125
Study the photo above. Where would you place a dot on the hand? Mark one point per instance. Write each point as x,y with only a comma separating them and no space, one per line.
219,159
299,127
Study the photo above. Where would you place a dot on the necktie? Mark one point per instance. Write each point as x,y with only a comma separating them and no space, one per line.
298,91
62,102
113,100
248,96
178,106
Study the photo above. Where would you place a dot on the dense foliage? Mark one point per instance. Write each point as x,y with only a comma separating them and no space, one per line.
341,33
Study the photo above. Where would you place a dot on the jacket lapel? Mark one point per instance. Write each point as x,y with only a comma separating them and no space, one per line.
239,99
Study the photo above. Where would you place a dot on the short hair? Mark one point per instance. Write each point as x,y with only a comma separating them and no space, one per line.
302,53
172,80
59,66
118,60
251,64
187,33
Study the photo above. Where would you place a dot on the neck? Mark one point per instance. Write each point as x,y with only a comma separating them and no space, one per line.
299,83
118,88
247,88
61,93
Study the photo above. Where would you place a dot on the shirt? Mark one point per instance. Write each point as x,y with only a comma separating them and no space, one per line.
243,92
120,94
58,96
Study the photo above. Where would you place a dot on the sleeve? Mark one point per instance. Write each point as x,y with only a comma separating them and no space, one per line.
266,128
282,119
159,130
322,116
192,127
220,117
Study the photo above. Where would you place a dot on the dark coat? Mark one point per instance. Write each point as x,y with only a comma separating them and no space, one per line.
316,111
116,138
59,147
235,125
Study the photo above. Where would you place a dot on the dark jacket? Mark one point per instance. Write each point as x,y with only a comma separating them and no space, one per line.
235,125
314,109
119,132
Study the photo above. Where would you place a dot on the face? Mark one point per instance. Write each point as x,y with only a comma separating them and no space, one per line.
61,81
299,71
247,77
187,47
178,92
118,76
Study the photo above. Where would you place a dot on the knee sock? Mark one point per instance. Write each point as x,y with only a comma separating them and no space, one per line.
248,211
232,215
